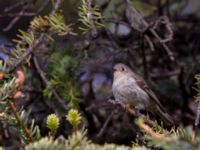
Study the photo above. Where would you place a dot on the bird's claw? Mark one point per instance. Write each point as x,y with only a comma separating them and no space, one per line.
127,107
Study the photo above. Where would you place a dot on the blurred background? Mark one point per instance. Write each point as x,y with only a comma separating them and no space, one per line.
79,66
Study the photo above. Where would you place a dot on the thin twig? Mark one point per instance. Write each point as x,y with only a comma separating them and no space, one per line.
35,44
29,14
146,74
45,80
20,122
162,75
7,9
170,54
138,22
165,21
155,135
14,20
105,124
197,114
44,5
149,42
56,6
131,111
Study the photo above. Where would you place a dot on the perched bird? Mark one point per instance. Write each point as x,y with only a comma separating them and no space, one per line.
131,89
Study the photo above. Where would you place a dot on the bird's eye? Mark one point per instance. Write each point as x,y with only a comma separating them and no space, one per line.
123,69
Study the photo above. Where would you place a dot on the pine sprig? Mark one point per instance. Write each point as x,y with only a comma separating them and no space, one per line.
10,113
46,144
197,98
90,17
62,78
180,138
33,128
77,141
197,77
40,28
58,25
3,66
7,89
73,117
53,24
23,41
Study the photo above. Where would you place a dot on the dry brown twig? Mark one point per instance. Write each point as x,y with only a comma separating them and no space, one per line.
20,3
29,14
197,113
155,135
27,132
45,80
131,111
35,44
14,20
138,23
105,124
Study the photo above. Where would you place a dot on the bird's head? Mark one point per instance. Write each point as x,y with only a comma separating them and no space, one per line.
121,69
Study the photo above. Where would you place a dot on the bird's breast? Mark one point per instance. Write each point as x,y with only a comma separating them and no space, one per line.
126,89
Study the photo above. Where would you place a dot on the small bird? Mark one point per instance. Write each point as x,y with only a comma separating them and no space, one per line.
129,88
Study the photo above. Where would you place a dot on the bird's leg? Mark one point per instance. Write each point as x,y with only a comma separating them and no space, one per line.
126,107
115,102
118,102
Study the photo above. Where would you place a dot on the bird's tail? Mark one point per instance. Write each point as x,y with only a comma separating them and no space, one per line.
164,116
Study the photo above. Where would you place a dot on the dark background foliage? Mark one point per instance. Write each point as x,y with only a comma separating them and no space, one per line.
78,66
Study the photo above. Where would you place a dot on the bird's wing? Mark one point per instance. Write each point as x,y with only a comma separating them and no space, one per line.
151,94
155,99
159,108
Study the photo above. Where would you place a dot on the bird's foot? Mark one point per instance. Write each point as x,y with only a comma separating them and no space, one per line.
126,107
115,102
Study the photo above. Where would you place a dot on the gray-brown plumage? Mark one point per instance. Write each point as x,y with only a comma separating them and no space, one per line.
129,88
